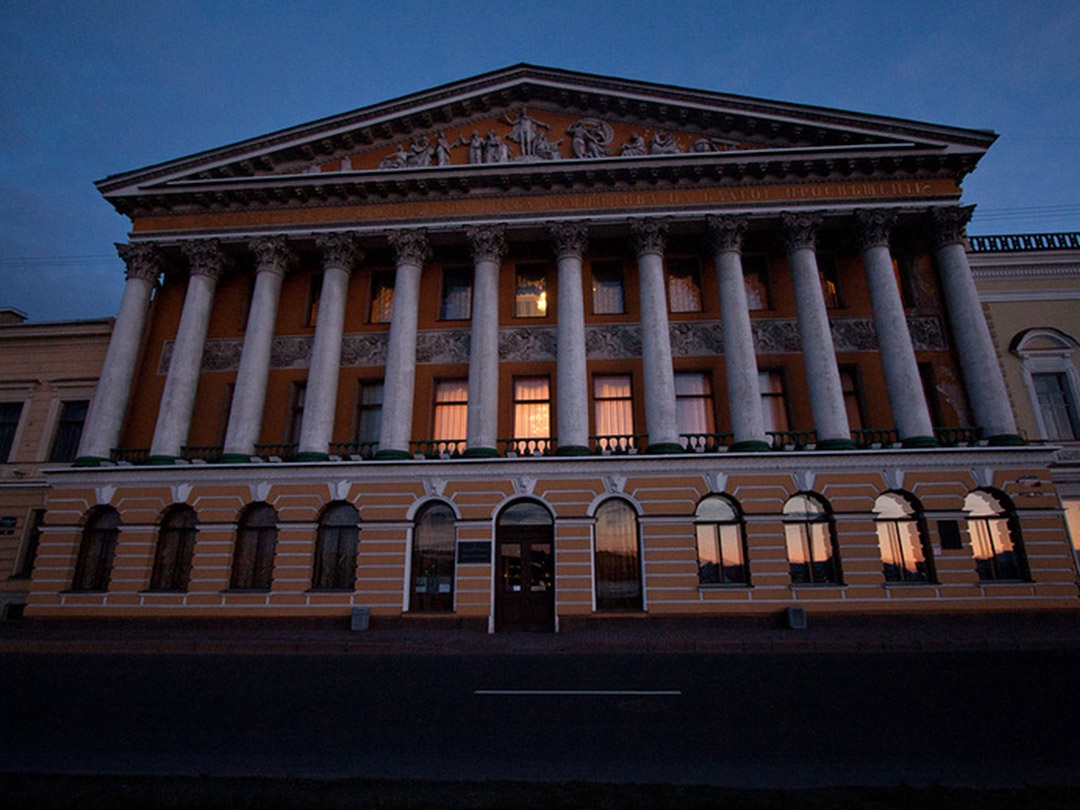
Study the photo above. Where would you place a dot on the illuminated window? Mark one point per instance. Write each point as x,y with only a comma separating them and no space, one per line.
774,409
253,557
614,411
905,548
829,275
756,281
335,548
382,296
811,541
684,286
9,423
451,413
693,407
607,288
434,541
532,413
617,558
175,547
69,430
531,299
721,543
456,302
97,549
995,537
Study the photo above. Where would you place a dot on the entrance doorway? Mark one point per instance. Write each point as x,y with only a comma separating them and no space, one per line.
525,569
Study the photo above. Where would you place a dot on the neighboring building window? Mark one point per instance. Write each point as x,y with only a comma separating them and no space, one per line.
617,561
530,299
69,430
811,541
614,412
25,566
382,296
434,542
756,281
853,398
335,548
256,538
607,288
296,411
1052,381
773,400
315,283
451,413
369,401
829,274
9,423
995,537
721,543
175,548
456,294
906,554
96,552
693,407
532,413
684,286
1056,406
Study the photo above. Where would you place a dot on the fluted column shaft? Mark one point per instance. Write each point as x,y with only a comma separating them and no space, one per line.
819,354
106,417
399,378
488,247
207,262
974,344
902,379
660,421
273,258
340,253
572,383
740,356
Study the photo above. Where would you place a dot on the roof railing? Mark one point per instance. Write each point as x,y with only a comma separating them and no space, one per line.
1016,242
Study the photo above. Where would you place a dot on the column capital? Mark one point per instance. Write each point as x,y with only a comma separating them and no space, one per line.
142,260
410,246
874,226
726,232
340,250
205,257
488,242
648,236
949,225
571,239
272,254
799,230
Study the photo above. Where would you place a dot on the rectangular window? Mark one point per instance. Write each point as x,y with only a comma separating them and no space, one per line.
693,408
24,567
451,413
614,412
829,274
311,316
720,554
684,285
773,400
369,400
756,281
456,294
69,430
1056,406
532,414
853,399
530,298
607,288
296,411
9,423
382,296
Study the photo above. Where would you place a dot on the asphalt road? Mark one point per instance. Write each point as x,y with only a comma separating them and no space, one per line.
802,720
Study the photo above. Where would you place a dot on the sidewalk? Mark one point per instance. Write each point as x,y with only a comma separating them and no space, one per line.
723,635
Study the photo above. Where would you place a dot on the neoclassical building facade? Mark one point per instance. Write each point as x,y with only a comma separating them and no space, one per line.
541,346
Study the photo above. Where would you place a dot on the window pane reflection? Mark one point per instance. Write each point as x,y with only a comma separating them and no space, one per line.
617,562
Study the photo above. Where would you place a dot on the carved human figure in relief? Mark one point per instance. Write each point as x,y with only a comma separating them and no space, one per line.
590,137
475,144
524,131
545,149
442,149
419,153
395,160
663,143
495,151
634,147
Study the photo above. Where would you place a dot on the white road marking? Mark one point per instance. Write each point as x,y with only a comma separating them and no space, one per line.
586,692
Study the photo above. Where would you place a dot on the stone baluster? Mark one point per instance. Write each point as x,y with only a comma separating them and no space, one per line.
572,383
488,248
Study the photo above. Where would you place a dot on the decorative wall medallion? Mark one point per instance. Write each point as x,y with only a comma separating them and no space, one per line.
442,346
927,332
614,483
434,487
523,345
696,338
853,335
524,485
180,492
291,352
804,480
364,350
775,336
260,490
613,342
717,481
104,494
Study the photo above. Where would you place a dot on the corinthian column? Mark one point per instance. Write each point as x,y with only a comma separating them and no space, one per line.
488,248
740,357
572,383
207,262
648,237
106,417
819,354
273,258
902,379
340,252
400,375
974,344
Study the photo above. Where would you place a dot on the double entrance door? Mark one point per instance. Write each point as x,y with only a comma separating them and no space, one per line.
525,578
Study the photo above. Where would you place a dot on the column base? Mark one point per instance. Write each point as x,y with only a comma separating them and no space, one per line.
480,452
90,461
236,458
665,449
572,450
1006,440
836,444
392,455
311,455
919,441
750,446
161,461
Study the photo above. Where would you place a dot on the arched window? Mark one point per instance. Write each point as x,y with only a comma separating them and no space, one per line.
94,567
905,549
811,541
434,542
175,546
1053,384
335,548
253,560
721,543
617,561
995,536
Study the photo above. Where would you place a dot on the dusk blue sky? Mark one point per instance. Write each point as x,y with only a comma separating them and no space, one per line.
90,89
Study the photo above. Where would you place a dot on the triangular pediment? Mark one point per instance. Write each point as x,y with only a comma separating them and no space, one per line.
526,120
